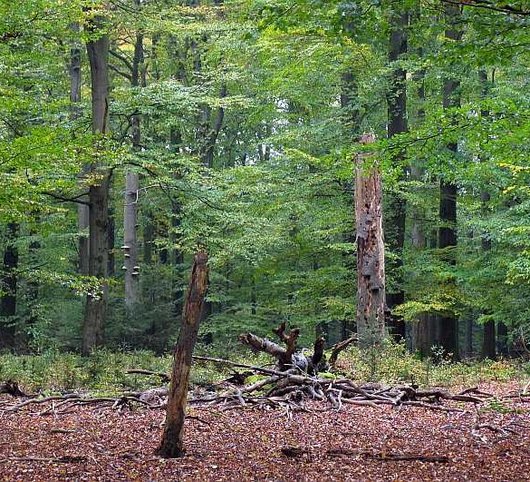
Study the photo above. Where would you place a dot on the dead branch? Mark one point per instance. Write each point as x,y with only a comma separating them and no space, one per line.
66,459
291,451
338,347
318,353
266,371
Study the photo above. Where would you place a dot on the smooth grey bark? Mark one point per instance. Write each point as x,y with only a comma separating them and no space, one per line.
96,303
371,302
132,185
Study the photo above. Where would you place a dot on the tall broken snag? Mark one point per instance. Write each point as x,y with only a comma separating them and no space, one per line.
171,445
370,249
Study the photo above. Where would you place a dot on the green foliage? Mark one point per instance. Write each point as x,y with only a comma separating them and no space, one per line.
392,363
291,85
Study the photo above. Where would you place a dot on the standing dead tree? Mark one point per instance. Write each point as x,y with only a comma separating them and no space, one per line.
171,445
371,301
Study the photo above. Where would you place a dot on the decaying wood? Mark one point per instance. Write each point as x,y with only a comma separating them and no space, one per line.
287,357
337,348
371,301
172,444
291,451
283,355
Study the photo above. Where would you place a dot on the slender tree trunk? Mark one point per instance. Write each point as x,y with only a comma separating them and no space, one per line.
397,124
130,246
172,444
448,324
132,185
96,303
350,119
8,301
370,250
75,112
489,344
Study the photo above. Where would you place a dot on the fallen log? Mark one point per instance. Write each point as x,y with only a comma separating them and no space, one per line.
293,452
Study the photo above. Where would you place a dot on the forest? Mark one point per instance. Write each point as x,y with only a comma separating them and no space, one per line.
324,204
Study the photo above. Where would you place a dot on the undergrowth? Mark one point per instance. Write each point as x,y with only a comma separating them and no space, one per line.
392,363
106,371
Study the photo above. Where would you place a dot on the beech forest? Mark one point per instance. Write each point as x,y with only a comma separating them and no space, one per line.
264,240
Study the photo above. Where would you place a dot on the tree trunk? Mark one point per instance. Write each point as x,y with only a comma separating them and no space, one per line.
397,124
132,185
448,323
75,112
489,345
370,250
96,303
130,246
171,445
8,302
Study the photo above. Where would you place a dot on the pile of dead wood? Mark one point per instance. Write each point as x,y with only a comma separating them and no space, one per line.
296,378
299,377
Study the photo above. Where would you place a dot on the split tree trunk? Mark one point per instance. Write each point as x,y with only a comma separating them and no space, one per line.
288,357
96,303
370,250
397,124
171,445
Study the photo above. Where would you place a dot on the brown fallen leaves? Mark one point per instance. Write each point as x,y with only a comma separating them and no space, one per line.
355,443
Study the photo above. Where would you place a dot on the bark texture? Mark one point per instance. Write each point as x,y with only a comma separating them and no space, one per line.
96,303
370,250
172,445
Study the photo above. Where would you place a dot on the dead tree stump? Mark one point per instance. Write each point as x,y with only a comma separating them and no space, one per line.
171,445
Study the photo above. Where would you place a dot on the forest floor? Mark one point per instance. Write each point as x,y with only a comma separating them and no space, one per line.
355,443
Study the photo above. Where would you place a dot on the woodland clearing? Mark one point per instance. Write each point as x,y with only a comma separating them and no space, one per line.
97,442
